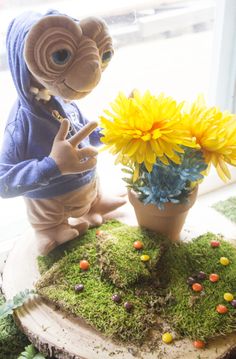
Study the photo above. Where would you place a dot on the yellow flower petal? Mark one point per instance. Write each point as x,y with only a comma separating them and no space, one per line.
144,128
136,173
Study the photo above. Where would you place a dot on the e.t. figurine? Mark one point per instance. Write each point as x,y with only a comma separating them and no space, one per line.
48,154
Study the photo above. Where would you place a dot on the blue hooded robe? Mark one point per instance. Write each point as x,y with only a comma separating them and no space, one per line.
25,166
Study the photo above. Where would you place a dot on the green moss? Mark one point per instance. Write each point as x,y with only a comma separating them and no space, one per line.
94,304
194,315
164,291
228,208
12,340
120,261
45,262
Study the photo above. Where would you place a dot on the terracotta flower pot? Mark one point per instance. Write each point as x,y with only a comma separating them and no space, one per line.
169,221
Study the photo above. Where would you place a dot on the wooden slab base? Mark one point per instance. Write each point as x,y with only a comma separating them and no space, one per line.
56,333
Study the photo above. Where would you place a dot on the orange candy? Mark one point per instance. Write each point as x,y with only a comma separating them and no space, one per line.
197,287
215,244
138,245
222,309
84,265
199,344
214,277
99,232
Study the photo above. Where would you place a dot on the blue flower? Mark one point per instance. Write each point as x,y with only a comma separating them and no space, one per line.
170,183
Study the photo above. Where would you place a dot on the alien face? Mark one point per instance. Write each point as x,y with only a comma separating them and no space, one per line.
68,57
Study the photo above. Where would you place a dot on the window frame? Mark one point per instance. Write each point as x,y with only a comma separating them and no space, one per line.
223,75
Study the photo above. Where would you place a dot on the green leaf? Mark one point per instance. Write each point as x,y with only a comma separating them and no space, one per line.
21,297
31,353
6,309
127,180
17,301
30,350
126,170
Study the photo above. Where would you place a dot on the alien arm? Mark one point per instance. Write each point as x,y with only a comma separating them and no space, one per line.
18,178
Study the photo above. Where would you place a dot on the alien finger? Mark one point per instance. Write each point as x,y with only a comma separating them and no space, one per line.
87,152
84,132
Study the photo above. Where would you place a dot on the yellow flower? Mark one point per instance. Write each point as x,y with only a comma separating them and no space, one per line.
215,133
141,129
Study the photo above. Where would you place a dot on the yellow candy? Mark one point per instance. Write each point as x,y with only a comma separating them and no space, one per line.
224,261
228,297
144,258
167,338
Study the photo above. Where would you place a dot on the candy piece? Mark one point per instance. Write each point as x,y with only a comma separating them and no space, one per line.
199,344
224,261
128,306
145,258
222,309
138,245
116,298
215,244
228,297
201,275
213,277
197,287
233,303
99,232
84,265
191,280
79,288
167,338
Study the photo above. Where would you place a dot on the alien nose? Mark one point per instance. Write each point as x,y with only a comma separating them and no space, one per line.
94,66
84,77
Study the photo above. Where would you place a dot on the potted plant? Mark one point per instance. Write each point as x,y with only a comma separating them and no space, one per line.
166,149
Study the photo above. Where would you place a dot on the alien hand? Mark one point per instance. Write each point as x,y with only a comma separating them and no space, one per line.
68,157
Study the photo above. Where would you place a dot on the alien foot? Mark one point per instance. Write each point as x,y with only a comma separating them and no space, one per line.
101,208
49,239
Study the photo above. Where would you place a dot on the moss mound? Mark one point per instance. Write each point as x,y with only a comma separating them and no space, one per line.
156,289
228,208
12,341
120,262
194,315
46,262
95,302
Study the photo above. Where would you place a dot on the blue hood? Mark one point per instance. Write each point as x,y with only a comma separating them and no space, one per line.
16,34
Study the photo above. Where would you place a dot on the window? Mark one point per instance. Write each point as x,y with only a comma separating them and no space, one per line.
161,45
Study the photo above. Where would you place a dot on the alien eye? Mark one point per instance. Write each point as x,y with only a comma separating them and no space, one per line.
61,57
106,56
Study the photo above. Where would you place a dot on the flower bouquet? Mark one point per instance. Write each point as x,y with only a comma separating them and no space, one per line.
167,148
